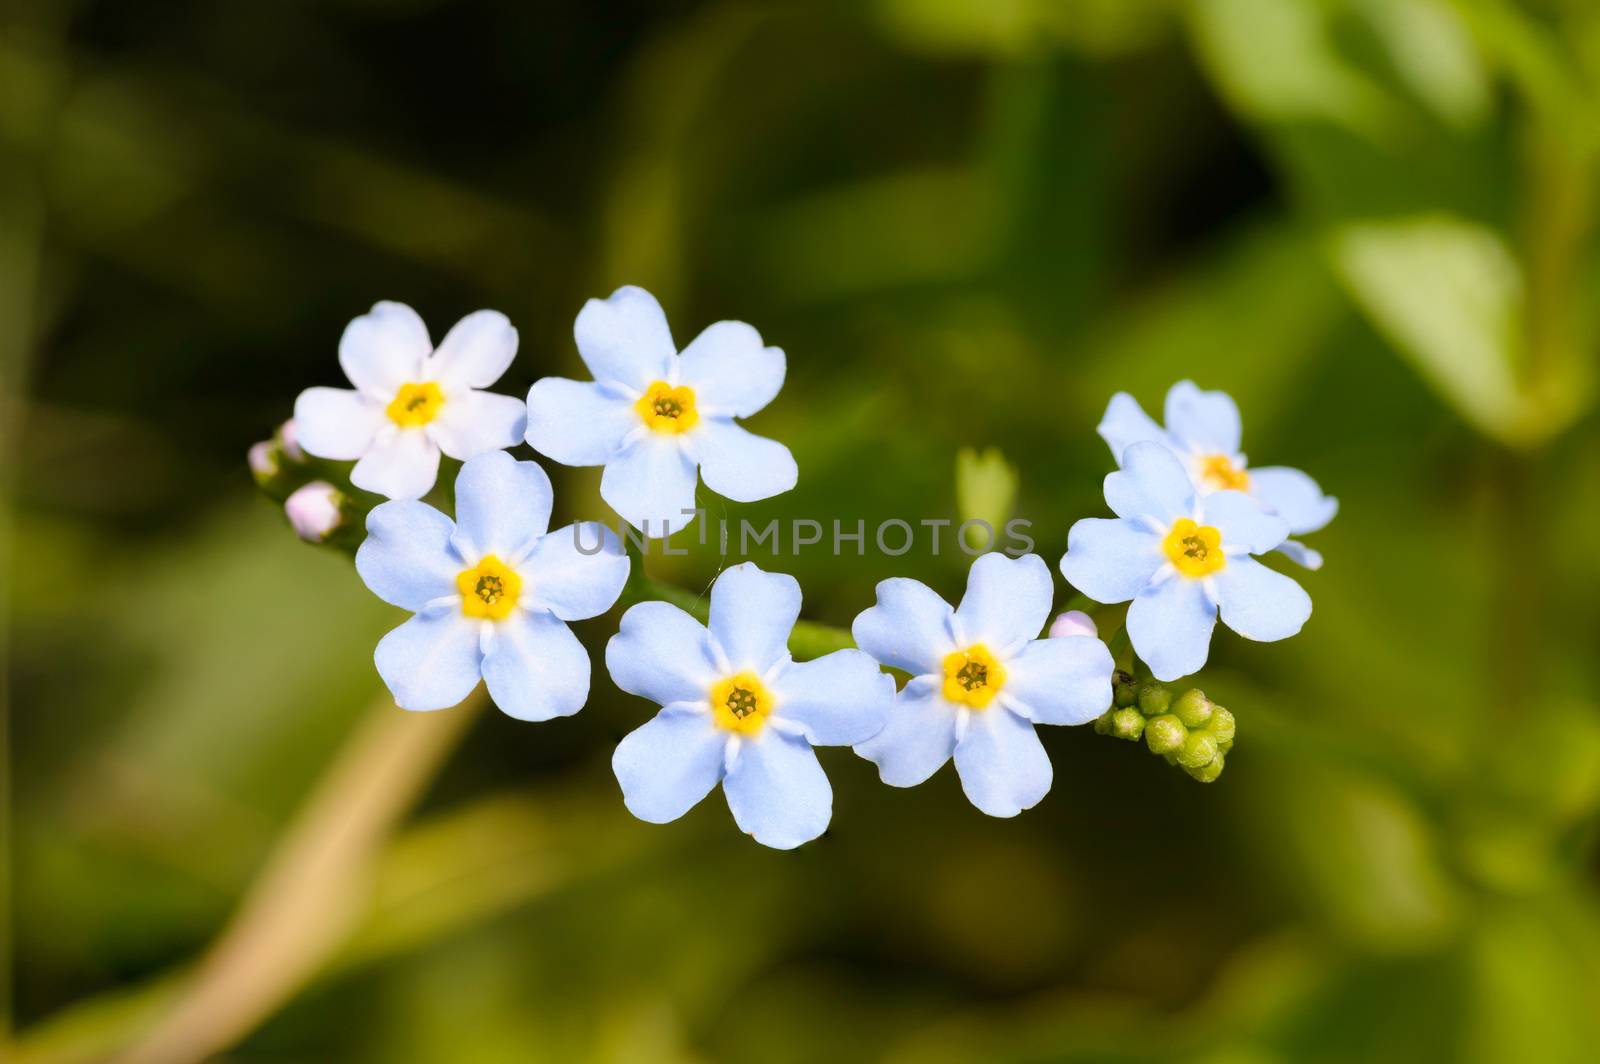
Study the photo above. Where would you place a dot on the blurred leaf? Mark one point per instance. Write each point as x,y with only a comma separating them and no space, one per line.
1432,49
986,487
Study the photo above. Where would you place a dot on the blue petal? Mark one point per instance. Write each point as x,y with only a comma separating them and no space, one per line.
578,423
406,559
918,736
668,764
571,584
1125,423
731,372
1110,560
1293,496
663,654
1062,680
1300,554
740,465
625,340
431,661
1259,603
909,628
535,667
777,791
502,507
1001,762
752,614
1007,601
1170,627
1202,422
652,481
839,699
1151,483
1242,522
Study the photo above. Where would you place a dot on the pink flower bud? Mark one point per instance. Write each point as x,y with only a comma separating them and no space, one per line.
314,511
263,462
291,445
1073,622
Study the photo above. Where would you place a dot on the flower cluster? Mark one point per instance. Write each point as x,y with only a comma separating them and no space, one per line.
1190,731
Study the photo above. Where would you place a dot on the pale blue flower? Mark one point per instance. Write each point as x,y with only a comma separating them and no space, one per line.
738,710
981,679
1180,557
654,417
1203,430
492,592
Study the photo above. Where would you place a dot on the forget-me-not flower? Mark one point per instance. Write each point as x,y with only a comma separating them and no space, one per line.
412,400
1180,557
736,708
653,416
492,592
1203,430
981,679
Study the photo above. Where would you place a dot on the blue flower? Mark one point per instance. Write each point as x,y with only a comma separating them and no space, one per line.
492,593
1203,430
653,416
1180,557
736,708
981,680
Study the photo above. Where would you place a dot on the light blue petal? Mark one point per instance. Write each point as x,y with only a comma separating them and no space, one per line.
652,481
474,423
663,654
668,764
909,628
400,464
337,423
1061,680
535,667
1300,554
406,559
383,349
918,736
1202,422
625,339
840,699
752,614
502,507
1007,602
431,661
740,465
1170,627
777,791
1002,764
475,352
1110,560
570,583
731,372
1125,423
1242,522
1293,496
578,423
1151,483
1259,603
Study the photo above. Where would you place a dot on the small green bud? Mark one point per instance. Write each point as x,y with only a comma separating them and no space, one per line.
1102,723
1221,725
1199,749
1225,747
1125,692
1193,708
1165,735
1154,699
1127,724
1208,772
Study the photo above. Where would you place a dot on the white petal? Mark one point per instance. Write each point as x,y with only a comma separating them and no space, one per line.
1293,496
406,559
752,614
535,667
431,661
910,628
1300,554
570,583
1007,601
502,507
731,372
1242,522
401,463
663,654
624,339
383,349
1170,627
1125,423
1202,422
740,465
475,352
578,423
777,791
1063,680
1151,483
1110,560
470,423
918,736
651,481
1002,764
336,423
669,763
839,699
1259,603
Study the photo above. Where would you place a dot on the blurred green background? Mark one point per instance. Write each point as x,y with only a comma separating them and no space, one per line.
1372,221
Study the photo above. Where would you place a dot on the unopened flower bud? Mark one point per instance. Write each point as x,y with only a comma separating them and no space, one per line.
263,458
1154,699
1165,735
1208,772
1127,723
1221,725
1124,691
288,439
1199,749
315,511
1073,622
1102,723
1193,708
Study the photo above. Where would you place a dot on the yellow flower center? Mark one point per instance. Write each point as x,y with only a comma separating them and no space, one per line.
741,703
668,409
1219,471
416,404
489,589
972,677
1194,550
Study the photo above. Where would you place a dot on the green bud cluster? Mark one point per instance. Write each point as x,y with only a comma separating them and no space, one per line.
1189,729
